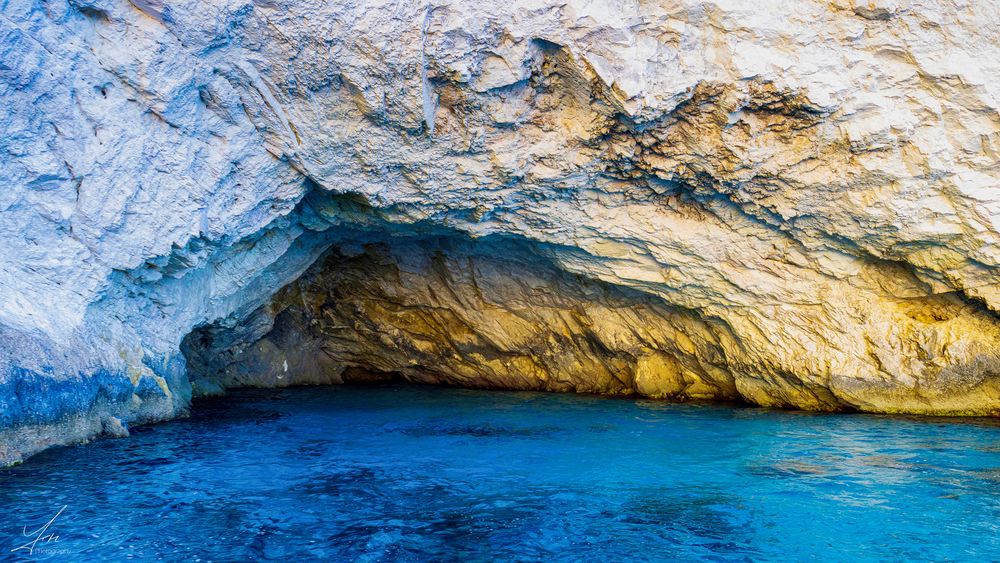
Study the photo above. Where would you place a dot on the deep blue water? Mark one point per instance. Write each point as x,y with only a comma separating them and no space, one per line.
430,474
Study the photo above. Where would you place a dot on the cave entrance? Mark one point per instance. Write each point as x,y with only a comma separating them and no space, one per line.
494,312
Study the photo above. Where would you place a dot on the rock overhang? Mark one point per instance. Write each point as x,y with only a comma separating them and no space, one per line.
810,182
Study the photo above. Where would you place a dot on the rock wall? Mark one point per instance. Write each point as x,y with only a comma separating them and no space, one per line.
806,191
498,313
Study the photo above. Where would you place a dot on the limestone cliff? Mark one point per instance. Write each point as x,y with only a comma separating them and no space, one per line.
784,203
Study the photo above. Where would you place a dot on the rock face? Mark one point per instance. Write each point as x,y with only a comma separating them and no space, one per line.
498,313
789,204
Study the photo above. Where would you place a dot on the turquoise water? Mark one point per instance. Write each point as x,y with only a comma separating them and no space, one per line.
430,474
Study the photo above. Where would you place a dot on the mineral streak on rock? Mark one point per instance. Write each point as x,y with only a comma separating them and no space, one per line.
789,204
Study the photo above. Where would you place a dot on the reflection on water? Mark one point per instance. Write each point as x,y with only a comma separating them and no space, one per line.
415,474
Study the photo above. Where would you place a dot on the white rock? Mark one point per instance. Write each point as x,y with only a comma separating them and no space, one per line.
172,164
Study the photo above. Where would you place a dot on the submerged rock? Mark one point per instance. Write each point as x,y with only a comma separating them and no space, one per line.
784,204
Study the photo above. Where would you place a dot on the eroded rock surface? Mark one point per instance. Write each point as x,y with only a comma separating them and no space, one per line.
497,313
787,203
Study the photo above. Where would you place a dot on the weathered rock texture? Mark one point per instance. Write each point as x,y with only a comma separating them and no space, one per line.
496,313
789,203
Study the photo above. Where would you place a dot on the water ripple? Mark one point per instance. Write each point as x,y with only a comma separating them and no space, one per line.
421,474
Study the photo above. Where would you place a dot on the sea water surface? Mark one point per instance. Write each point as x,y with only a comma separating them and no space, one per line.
403,473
